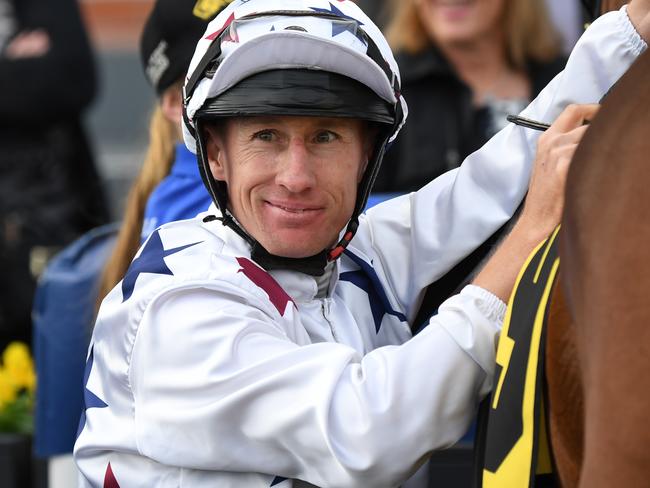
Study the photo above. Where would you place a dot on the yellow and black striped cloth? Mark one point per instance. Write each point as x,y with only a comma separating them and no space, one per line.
513,450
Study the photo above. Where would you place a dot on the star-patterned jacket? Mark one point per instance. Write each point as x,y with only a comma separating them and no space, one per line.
206,371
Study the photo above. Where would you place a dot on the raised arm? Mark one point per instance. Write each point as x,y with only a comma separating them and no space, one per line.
439,225
544,203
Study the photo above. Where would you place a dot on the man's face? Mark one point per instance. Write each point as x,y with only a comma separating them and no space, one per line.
292,181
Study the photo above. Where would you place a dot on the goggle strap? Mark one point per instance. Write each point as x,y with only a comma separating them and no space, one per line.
213,52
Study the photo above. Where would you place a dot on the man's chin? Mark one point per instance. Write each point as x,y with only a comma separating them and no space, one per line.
296,250
293,253
294,243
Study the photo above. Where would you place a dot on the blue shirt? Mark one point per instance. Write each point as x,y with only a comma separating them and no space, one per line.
181,195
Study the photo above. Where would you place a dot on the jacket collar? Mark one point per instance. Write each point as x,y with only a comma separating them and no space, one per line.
301,287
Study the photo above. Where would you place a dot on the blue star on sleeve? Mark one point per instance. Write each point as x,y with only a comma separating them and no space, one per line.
90,399
151,260
366,278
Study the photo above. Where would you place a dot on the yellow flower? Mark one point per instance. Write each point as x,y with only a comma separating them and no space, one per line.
8,391
19,366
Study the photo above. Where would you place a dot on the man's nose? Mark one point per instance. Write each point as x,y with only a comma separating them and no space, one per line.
295,169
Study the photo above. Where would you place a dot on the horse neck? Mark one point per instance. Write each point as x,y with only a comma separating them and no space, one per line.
606,276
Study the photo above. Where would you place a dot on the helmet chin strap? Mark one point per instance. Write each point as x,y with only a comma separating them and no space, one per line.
312,265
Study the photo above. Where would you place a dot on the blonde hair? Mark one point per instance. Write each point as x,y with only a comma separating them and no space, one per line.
529,31
163,135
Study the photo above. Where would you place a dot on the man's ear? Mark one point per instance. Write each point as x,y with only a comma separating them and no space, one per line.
216,154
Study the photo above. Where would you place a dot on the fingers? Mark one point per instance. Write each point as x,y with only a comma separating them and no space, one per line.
555,147
567,131
555,151
570,138
561,151
574,116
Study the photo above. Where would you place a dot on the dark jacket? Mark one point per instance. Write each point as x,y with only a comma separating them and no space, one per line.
50,191
442,129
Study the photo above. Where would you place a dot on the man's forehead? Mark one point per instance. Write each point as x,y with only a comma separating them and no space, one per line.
294,121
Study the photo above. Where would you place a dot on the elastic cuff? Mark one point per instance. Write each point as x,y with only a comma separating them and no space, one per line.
637,42
489,304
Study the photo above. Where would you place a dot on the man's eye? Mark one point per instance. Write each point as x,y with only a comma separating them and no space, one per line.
264,135
325,136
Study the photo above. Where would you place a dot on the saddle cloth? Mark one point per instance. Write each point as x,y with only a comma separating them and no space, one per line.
512,448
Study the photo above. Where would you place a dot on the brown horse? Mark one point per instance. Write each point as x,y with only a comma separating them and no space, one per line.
598,333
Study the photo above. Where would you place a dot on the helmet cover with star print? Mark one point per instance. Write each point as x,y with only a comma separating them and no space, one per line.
328,45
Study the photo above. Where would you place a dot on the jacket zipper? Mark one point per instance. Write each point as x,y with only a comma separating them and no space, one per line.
326,311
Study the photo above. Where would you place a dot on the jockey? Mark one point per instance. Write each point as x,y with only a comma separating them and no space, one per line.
266,342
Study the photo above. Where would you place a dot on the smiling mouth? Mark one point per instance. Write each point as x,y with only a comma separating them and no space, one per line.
295,210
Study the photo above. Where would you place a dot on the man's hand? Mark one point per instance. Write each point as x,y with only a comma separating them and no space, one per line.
639,13
555,149
544,202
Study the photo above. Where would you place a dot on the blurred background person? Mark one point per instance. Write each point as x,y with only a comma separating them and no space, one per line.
568,16
50,191
169,185
465,65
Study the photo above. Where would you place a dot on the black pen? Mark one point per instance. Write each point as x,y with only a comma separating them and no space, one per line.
529,123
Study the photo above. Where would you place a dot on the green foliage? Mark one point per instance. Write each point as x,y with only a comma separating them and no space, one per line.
17,416
17,386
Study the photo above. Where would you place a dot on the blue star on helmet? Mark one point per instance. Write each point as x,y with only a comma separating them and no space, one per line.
90,399
340,28
151,260
366,279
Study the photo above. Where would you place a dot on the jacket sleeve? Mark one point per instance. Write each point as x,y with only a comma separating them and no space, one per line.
238,395
433,229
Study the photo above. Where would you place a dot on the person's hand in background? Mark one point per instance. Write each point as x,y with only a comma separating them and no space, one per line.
28,44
